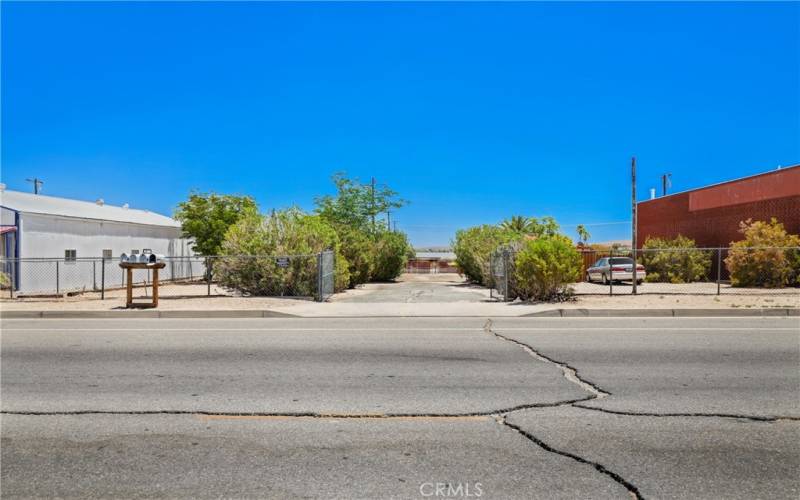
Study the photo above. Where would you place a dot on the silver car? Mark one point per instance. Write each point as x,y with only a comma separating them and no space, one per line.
614,269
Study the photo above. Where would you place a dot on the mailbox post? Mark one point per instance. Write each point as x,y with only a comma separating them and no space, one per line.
128,268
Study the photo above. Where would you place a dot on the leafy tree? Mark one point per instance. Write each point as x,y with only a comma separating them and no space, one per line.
357,205
206,217
518,224
583,234
674,260
545,227
530,226
767,256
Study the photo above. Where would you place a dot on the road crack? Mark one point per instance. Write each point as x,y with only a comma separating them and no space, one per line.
755,418
571,374
632,489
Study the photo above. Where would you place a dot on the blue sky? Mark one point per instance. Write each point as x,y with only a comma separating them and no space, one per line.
474,112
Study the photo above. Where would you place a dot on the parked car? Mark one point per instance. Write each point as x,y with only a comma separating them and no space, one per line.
618,269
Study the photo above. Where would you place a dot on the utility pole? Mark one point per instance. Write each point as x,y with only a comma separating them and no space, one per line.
37,183
388,220
665,183
633,220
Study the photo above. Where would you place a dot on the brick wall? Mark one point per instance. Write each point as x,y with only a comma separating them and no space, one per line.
774,194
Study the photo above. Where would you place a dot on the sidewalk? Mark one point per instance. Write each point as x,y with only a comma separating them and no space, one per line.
341,307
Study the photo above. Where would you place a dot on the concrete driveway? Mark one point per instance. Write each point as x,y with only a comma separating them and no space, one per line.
418,288
401,408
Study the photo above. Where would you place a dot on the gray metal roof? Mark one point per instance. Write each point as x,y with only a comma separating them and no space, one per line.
436,255
65,207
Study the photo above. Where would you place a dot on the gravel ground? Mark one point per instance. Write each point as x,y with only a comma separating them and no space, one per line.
425,294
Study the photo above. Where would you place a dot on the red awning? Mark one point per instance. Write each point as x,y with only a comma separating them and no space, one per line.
7,229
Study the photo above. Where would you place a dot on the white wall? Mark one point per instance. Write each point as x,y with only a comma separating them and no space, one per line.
45,236
49,236
6,217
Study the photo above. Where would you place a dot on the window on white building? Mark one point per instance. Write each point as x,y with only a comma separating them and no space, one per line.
107,253
70,255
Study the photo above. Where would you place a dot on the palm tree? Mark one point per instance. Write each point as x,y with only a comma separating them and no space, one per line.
518,224
583,234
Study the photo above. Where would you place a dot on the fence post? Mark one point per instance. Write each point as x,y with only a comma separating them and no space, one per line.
208,276
103,280
319,277
610,274
505,275
57,277
719,268
94,275
13,280
491,275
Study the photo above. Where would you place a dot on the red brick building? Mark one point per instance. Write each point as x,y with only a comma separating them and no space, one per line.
711,215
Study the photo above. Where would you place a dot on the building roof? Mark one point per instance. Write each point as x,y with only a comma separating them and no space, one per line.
777,171
436,255
65,207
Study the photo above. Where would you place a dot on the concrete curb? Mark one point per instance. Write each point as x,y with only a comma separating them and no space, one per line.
550,313
674,313
143,314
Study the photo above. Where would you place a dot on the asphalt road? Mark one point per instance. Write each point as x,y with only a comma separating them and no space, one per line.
401,407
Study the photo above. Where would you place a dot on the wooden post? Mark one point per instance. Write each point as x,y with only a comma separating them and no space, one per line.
155,287
129,297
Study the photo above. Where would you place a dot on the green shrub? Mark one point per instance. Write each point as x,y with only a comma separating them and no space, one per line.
285,233
5,281
545,268
473,248
390,255
755,260
679,262
357,249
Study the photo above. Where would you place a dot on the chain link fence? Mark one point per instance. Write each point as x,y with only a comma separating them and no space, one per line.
769,271
695,271
327,274
305,276
501,272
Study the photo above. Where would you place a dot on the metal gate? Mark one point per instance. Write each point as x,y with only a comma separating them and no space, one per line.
326,272
499,270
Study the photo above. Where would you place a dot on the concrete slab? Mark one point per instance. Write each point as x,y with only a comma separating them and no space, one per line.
688,365
198,457
270,366
678,457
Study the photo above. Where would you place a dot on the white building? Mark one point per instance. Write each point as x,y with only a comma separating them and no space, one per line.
44,232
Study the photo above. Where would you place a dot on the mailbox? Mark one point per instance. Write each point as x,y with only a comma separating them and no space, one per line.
154,258
123,257
144,258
